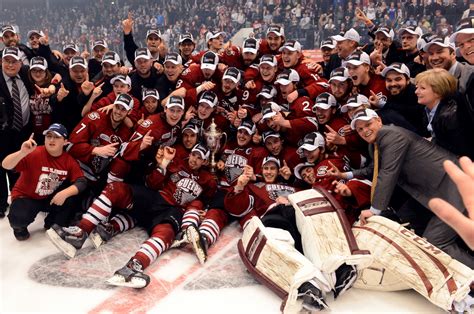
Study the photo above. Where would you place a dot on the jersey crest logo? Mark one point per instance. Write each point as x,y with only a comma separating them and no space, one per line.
187,190
276,190
234,167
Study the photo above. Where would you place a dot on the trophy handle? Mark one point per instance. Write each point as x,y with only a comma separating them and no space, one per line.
224,135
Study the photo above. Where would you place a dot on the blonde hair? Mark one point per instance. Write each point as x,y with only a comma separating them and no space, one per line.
440,81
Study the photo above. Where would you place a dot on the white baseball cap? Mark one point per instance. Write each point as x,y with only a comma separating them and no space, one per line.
325,101
340,74
38,63
465,26
439,41
387,32
299,167
351,34
287,76
211,35
124,100
250,45
121,78
363,115
398,67
311,141
209,60
354,102
291,45
414,30
357,58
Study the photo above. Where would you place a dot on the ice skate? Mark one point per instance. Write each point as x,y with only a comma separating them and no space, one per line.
346,275
130,275
198,242
67,239
102,233
312,297
180,241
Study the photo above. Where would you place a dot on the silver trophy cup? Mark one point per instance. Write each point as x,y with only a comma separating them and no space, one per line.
213,137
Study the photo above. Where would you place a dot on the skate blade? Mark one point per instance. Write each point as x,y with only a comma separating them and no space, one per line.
178,244
193,236
67,249
119,281
96,239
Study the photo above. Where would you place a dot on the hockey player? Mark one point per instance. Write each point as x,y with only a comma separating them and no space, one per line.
97,138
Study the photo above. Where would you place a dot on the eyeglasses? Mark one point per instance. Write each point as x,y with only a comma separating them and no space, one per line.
10,62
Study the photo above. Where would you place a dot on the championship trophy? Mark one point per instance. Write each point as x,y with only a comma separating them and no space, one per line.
213,138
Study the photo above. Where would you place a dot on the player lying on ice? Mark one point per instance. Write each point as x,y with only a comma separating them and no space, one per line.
172,188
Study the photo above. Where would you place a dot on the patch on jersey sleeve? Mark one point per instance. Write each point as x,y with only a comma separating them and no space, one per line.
93,115
322,171
146,123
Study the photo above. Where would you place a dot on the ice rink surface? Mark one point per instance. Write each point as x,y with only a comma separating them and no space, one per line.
36,278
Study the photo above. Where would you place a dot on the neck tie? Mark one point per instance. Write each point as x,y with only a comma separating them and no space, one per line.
17,113
376,171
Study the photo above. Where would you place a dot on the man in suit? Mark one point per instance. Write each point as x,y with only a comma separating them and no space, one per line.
416,165
15,127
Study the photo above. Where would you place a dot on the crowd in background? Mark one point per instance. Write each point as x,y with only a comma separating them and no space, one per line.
308,21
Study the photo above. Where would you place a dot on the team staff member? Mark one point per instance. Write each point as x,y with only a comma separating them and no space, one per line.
15,126
42,186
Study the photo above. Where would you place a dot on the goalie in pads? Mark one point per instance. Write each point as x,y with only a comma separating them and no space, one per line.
403,260
329,259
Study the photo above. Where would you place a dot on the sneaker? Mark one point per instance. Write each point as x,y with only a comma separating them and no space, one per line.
67,239
130,275
346,275
21,234
312,297
101,234
180,241
198,242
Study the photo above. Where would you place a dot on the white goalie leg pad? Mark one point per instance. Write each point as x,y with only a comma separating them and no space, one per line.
325,232
419,264
272,259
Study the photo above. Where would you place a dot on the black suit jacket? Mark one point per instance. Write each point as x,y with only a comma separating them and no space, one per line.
6,102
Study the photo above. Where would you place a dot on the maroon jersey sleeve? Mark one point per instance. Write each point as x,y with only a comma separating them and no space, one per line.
104,101
360,192
239,204
82,134
190,77
311,81
231,57
299,128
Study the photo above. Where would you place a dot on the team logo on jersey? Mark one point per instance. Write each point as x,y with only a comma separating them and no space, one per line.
115,139
322,171
276,190
187,190
93,115
234,167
